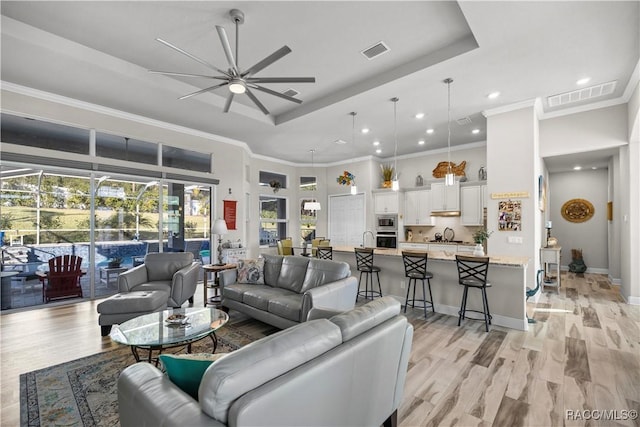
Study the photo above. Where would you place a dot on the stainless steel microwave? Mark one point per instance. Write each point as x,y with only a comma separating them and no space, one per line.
387,222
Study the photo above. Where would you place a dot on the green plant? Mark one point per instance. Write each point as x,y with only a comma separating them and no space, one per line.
387,171
481,235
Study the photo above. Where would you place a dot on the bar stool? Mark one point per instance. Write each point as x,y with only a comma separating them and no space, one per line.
472,273
324,252
415,268
364,264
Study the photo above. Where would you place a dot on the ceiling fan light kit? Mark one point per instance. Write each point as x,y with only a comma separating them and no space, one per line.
238,81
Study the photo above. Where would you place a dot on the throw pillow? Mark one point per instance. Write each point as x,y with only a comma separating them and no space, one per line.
186,370
251,271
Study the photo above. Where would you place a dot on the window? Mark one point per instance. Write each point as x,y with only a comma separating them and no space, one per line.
119,147
308,218
273,220
37,133
185,159
274,180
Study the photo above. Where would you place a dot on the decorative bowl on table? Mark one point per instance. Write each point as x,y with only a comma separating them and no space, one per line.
177,319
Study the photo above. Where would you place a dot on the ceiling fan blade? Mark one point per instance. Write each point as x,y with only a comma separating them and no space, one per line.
281,79
227,49
284,50
208,89
273,92
256,101
172,73
227,104
195,58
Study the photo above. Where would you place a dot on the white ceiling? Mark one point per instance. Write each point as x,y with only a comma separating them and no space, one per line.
100,52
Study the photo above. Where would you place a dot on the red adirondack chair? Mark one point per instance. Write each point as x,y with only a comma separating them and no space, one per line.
63,278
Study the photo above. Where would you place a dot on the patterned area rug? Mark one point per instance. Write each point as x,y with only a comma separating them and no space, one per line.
83,392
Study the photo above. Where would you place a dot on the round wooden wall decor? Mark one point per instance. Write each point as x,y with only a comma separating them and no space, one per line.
577,210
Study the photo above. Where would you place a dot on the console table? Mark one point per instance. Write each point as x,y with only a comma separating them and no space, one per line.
550,260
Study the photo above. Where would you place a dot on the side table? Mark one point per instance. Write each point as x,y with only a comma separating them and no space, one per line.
215,269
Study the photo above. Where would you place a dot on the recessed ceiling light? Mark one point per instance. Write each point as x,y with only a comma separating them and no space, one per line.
376,143
421,142
429,131
593,167
475,131
365,130
340,141
583,81
378,151
419,115
577,168
493,95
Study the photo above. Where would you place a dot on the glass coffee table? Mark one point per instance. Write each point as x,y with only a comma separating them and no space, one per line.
156,331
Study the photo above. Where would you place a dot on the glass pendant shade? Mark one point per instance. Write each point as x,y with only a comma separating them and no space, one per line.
449,179
354,189
395,184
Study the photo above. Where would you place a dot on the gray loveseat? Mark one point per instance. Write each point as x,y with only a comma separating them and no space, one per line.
293,285
348,370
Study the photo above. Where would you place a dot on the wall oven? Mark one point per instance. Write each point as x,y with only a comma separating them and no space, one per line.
387,239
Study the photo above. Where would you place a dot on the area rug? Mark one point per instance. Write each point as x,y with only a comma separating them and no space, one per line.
83,392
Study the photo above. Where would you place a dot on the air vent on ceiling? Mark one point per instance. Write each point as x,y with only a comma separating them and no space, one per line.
463,121
582,94
291,92
375,50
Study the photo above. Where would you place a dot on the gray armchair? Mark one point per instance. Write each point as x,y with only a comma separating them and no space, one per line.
174,272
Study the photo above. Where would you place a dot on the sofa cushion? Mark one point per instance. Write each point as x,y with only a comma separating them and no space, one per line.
236,291
272,266
287,306
133,302
258,296
251,271
261,361
292,273
361,319
186,370
320,272
162,266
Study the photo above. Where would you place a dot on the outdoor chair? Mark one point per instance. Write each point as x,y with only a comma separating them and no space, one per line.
63,278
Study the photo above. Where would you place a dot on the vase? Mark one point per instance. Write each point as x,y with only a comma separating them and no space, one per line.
478,250
386,184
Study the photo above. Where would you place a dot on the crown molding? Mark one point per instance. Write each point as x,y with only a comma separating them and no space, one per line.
530,103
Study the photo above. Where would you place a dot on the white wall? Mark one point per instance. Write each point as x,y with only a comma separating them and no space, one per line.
591,236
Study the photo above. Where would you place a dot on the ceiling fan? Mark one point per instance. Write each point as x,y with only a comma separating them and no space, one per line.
237,80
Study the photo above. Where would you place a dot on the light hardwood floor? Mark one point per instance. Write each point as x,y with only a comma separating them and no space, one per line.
582,354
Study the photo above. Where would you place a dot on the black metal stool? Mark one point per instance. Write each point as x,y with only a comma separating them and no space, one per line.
472,273
364,264
324,252
415,268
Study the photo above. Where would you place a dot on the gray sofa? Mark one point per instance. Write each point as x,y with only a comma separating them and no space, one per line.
348,370
172,272
293,286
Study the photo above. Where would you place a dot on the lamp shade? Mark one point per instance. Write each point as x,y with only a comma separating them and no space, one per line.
219,227
312,206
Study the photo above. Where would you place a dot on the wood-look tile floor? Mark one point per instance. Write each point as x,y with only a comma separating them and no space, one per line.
583,354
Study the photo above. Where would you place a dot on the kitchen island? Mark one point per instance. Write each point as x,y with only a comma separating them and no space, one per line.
507,276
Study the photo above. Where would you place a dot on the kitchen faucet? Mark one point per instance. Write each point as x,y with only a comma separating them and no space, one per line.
364,237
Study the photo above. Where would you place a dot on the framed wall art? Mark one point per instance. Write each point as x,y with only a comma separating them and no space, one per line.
510,215
577,210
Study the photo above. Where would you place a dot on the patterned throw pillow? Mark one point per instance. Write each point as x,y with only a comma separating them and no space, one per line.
251,271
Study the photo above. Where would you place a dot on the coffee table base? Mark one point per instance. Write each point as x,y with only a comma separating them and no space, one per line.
160,348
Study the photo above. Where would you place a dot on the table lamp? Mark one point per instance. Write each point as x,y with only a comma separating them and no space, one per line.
219,228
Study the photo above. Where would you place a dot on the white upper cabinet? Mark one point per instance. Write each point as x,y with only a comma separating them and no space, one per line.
386,202
417,208
471,205
445,197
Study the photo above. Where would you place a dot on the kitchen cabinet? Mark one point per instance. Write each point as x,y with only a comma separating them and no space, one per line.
443,248
471,207
445,197
387,202
407,246
417,208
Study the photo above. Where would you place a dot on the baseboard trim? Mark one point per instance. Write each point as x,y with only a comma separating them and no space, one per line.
614,281
589,270
633,300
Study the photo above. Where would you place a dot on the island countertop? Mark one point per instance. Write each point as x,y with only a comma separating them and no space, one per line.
504,260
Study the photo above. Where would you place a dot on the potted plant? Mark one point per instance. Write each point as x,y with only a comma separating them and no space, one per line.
276,185
387,174
114,263
480,237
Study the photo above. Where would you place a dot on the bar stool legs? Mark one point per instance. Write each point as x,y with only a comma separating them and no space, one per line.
369,292
415,268
472,273
424,302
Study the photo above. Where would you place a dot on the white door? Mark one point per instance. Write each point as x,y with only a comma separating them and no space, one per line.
346,220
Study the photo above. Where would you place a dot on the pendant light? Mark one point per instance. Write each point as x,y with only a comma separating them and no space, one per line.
449,178
395,185
354,187
313,205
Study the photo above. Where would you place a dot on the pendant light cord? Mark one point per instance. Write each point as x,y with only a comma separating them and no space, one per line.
448,82
395,136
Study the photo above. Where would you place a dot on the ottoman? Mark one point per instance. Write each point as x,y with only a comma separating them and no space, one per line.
127,305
